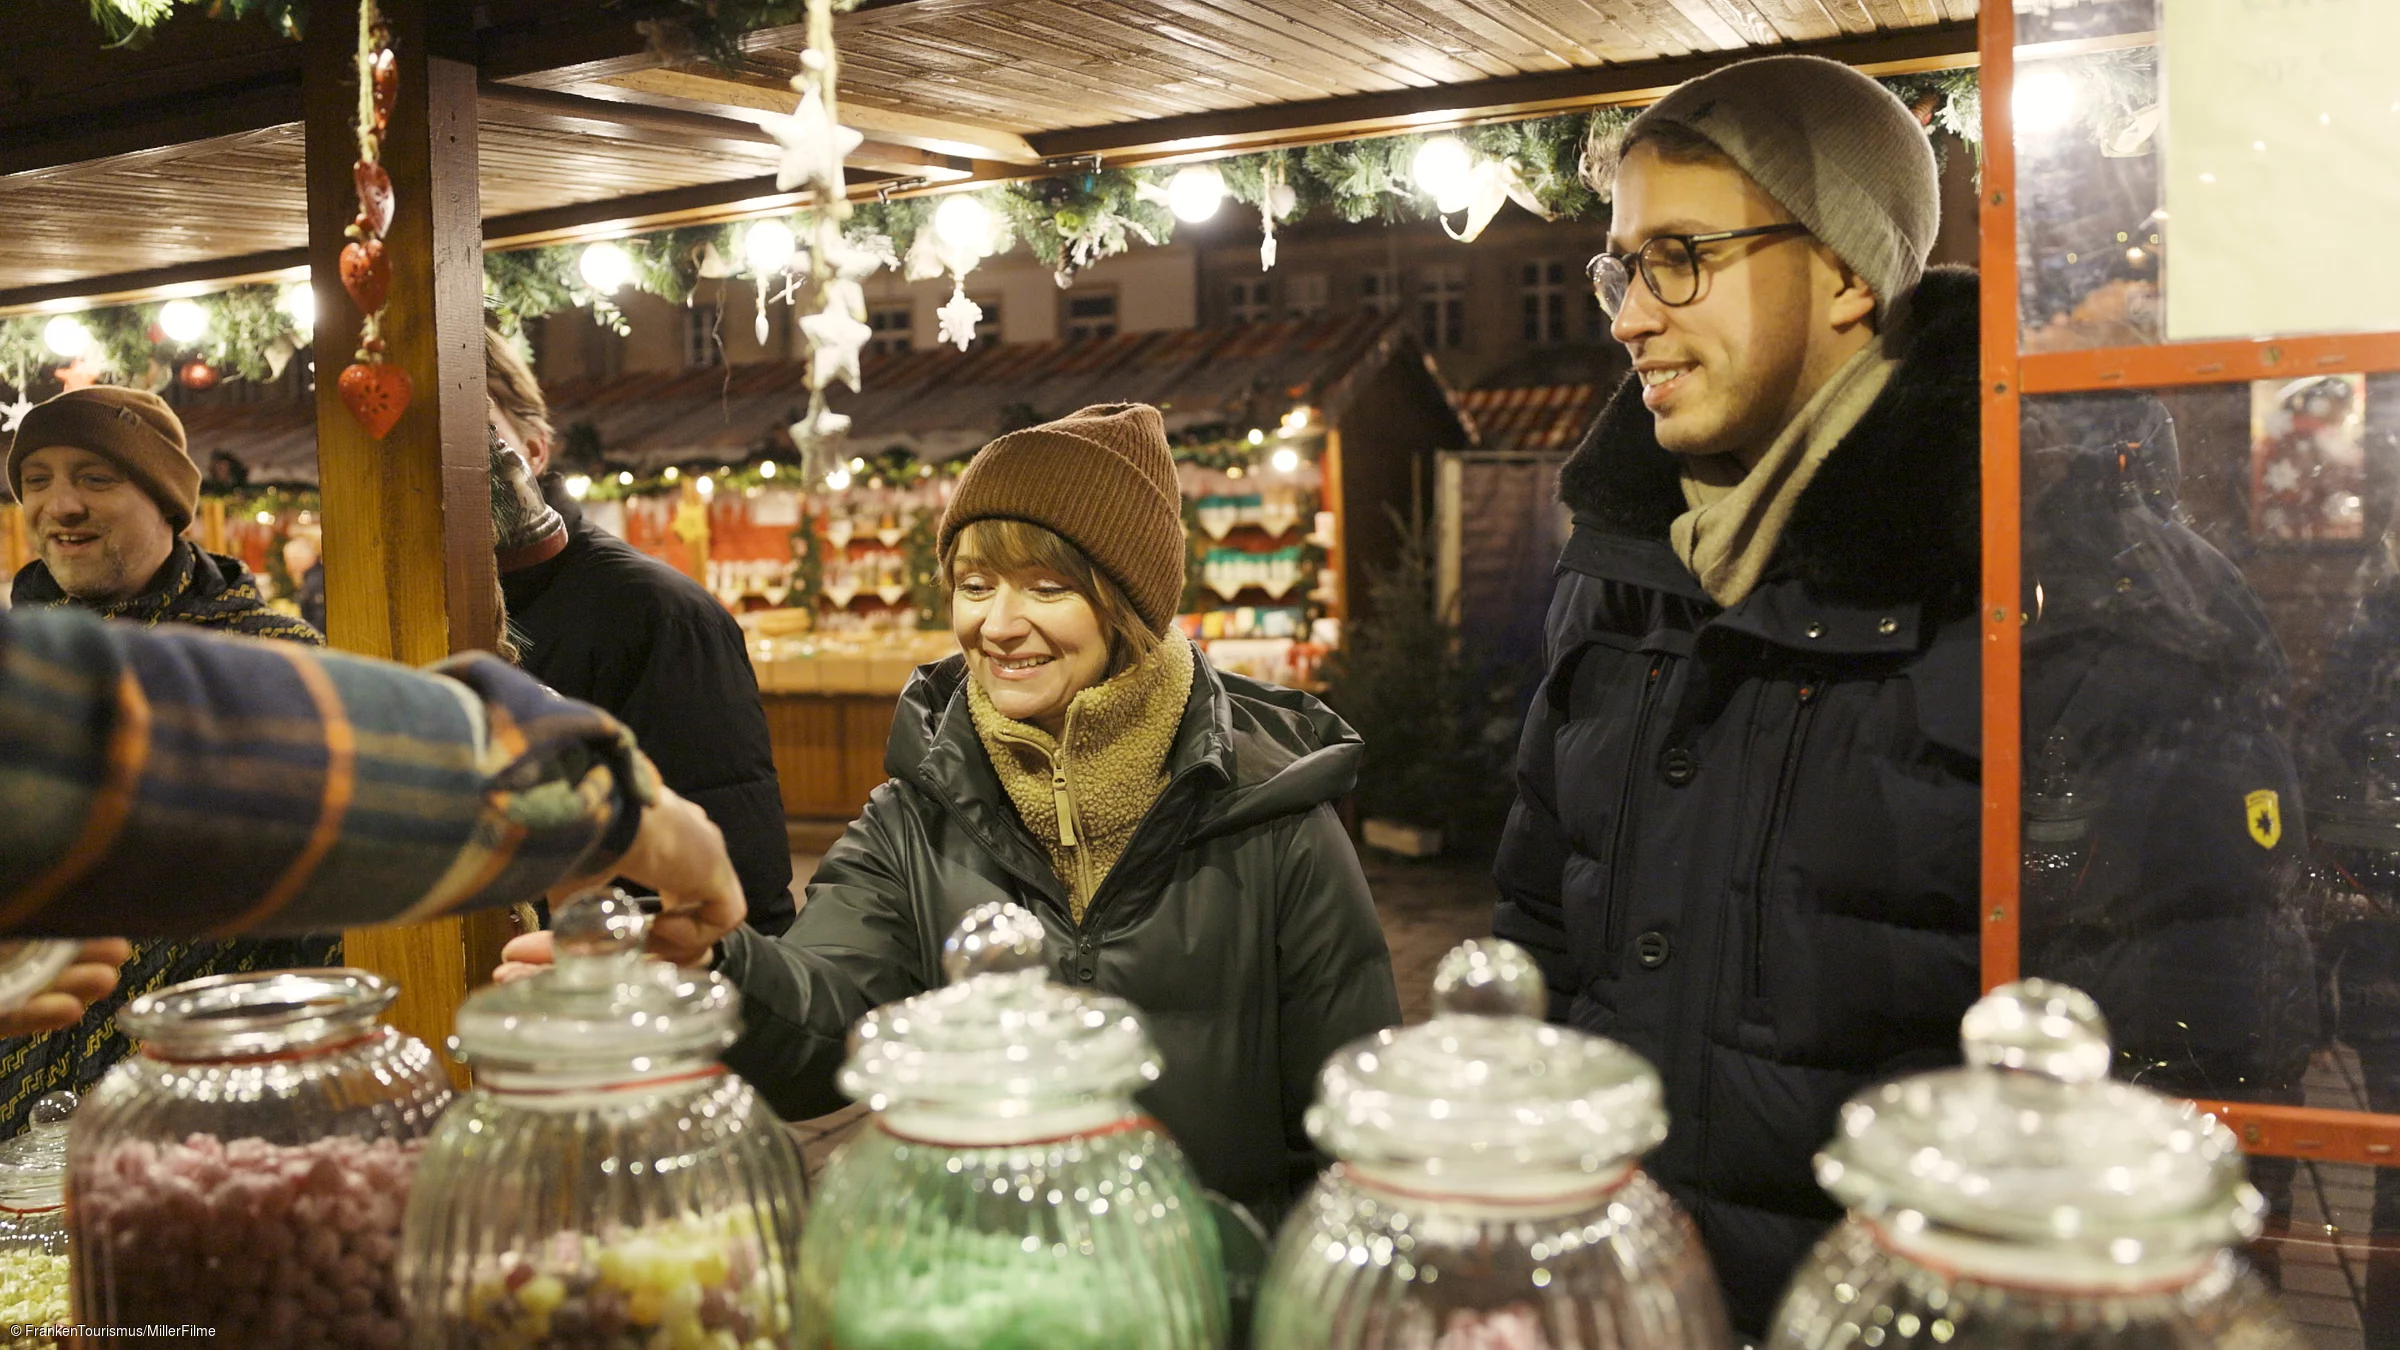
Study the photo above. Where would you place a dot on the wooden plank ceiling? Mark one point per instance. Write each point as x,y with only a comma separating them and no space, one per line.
146,165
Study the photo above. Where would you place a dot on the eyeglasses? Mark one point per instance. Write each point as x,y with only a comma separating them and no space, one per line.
1669,265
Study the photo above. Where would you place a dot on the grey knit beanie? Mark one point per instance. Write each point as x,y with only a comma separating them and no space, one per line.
1844,156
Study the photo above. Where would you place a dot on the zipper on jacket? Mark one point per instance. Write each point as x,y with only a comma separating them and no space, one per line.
1635,761
1771,847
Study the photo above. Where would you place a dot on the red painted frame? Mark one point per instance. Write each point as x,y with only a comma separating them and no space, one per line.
2008,375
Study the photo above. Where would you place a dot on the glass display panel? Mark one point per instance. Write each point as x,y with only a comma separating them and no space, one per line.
2091,237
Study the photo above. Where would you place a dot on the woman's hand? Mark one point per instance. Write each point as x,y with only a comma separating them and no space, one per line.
679,853
90,979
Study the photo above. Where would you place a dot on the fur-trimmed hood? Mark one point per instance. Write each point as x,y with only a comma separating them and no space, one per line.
1895,513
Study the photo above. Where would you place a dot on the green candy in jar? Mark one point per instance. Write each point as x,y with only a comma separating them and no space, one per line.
34,1282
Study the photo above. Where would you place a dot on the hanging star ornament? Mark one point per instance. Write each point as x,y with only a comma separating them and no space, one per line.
836,333
1493,183
959,317
814,146
13,413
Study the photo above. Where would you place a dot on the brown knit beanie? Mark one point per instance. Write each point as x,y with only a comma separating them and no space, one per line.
132,427
1100,478
1843,155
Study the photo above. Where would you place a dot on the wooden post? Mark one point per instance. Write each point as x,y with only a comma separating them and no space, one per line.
1329,463
14,551
212,524
409,573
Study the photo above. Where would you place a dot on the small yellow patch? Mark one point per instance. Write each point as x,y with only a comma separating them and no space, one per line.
2264,811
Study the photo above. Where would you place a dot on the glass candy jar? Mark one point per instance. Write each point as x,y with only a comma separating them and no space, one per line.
33,1223
2025,1202
246,1168
1008,1195
607,1182
1489,1193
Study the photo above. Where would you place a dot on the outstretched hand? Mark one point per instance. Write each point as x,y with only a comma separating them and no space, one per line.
91,978
679,853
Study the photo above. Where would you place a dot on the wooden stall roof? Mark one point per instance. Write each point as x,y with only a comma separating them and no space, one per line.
936,404
1544,419
125,171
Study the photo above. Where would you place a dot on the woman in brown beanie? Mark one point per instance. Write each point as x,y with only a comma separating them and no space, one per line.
1172,825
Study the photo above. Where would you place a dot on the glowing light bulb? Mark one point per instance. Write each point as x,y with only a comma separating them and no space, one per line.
1257,437
707,485
2045,101
578,485
1286,460
768,245
625,478
1194,194
672,473
183,321
837,480
265,517
858,466
300,302
605,268
962,222
1443,170
767,470
66,336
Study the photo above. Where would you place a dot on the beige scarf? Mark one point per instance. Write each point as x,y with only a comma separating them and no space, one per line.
1083,793
1736,517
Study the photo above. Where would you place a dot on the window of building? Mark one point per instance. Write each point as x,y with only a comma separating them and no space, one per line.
1253,301
987,328
700,344
1306,295
1543,296
1379,291
895,329
1090,314
1595,323
1442,305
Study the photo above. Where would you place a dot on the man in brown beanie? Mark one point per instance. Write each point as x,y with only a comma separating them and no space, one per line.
1745,834
108,487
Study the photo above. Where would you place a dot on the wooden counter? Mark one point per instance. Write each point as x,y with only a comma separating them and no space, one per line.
828,750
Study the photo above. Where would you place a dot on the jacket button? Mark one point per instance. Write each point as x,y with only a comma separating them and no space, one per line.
1887,627
1084,974
1816,630
1678,766
1652,949
1084,946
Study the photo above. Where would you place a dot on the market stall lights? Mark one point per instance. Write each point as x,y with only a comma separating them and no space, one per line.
963,222
578,486
625,478
1257,437
2045,101
1444,170
182,321
707,485
66,336
858,466
768,245
1295,421
767,470
605,268
837,480
672,473
1286,460
265,517
301,304
1195,193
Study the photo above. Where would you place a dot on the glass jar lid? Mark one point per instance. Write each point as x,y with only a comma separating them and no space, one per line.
603,1008
258,1013
1487,1090
28,965
2031,1143
999,1041
33,1166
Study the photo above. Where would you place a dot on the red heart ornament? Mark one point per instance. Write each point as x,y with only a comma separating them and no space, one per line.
374,196
366,273
376,395
387,87
198,375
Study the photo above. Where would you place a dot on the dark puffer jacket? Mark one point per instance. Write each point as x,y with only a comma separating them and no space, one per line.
1745,839
1237,920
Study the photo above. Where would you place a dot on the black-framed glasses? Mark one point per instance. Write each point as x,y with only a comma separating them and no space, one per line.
1669,265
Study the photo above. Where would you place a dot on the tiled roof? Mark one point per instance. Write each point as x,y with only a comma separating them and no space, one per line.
1547,419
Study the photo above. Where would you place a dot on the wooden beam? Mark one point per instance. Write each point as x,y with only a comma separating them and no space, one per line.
408,533
73,138
1382,114
550,110
156,283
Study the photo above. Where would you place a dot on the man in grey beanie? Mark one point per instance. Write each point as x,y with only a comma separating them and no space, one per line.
1745,835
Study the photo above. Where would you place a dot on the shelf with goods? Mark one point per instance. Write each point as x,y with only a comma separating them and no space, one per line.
1259,597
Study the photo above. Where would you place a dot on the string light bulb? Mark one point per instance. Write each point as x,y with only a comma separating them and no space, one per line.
1195,193
578,485
768,245
2045,101
300,302
624,478
672,473
67,337
767,470
1444,170
962,222
605,268
837,480
1286,460
1257,437
706,484
183,321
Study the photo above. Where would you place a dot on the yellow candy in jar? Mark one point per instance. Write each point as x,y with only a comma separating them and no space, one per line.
541,1295
644,1305
709,1267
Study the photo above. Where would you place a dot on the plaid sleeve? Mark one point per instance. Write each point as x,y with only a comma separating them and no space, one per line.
174,784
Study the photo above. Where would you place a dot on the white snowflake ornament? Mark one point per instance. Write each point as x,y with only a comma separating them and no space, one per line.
13,413
959,317
836,333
